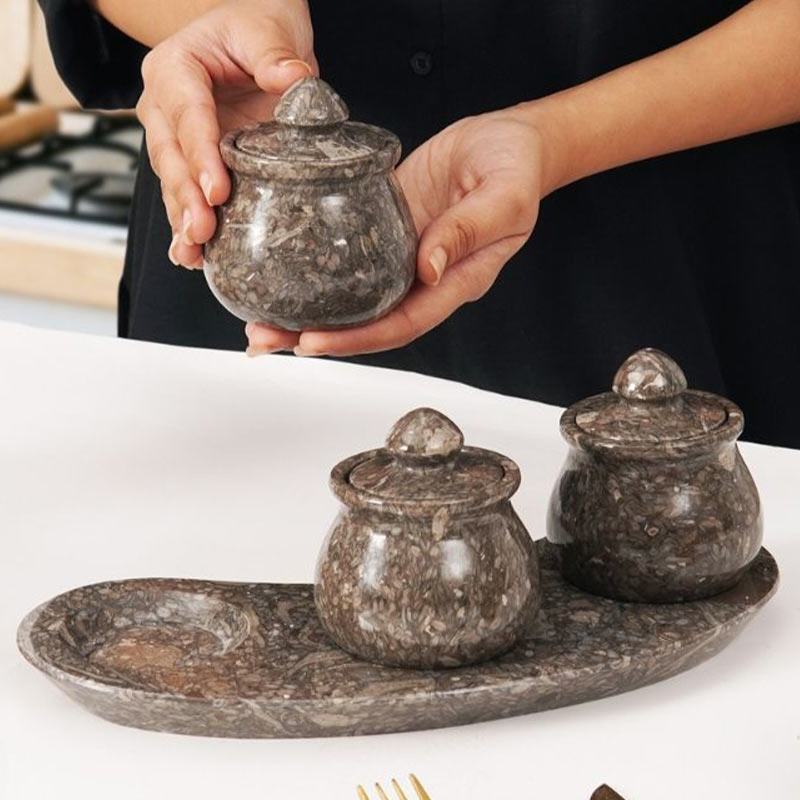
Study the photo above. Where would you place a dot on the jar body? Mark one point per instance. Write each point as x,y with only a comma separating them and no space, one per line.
427,592
655,530
312,254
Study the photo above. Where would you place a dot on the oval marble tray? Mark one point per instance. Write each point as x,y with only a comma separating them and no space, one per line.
251,660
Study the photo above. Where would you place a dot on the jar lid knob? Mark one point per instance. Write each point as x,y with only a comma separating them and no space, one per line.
310,103
424,436
649,375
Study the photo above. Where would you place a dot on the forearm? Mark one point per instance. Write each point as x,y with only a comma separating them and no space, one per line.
738,77
151,21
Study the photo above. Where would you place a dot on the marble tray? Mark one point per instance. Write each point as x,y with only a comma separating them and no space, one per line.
251,660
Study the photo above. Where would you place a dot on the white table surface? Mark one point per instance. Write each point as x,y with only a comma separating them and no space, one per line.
122,459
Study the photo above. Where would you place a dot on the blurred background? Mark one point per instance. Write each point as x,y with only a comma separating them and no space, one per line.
66,181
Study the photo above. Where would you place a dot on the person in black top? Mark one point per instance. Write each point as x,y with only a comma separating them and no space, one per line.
648,234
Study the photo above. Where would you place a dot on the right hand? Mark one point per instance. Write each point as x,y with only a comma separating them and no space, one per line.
224,70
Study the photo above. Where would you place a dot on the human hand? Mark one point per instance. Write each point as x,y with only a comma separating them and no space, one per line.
474,192
224,70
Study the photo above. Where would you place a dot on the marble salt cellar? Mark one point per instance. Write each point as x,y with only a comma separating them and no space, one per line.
427,564
654,502
316,233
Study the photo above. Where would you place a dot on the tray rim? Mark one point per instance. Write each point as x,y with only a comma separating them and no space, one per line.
64,676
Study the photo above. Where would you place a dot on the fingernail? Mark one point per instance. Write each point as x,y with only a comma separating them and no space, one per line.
171,252
438,260
198,264
186,221
205,185
298,351
285,62
253,351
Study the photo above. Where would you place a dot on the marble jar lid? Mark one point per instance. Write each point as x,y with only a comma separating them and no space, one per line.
425,467
310,137
651,409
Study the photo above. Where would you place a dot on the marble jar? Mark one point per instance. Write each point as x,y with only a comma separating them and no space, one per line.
654,502
427,564
316,233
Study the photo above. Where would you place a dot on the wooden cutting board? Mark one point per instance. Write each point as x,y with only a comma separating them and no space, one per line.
15,44
20,127
47,84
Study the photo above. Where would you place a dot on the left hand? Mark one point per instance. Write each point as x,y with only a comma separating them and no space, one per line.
474,192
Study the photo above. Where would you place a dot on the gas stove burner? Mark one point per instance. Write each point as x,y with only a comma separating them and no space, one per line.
87,176
96,194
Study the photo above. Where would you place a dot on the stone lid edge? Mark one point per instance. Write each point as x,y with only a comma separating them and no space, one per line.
381,159
353,497
728,430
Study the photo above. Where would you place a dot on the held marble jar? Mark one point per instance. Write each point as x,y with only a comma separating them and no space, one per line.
654,503
316,233
427,564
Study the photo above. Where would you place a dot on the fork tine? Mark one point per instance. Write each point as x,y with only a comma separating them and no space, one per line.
419,788
362,795
380,791
400,793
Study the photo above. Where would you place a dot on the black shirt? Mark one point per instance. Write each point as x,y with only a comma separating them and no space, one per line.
696,253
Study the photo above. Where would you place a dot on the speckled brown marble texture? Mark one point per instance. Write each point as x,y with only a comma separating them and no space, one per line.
654,502
427,565
252,660
605,792
316,233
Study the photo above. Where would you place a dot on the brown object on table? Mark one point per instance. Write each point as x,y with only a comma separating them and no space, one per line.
252,660
605,792
654,503
6,105
27,126
427,565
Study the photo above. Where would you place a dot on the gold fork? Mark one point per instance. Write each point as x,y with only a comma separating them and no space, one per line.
415,782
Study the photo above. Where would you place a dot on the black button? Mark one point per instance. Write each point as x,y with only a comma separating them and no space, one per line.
421,63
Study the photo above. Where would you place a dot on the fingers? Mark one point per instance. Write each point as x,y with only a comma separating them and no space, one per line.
423,309
422,197
178,98
264,339
190,217
180,115
496,209
198,135
169,125
499,226
179,252
194,218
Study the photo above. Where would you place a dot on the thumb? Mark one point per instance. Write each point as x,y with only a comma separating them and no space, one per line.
275,60
278,68
275,50
277,53
488,213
